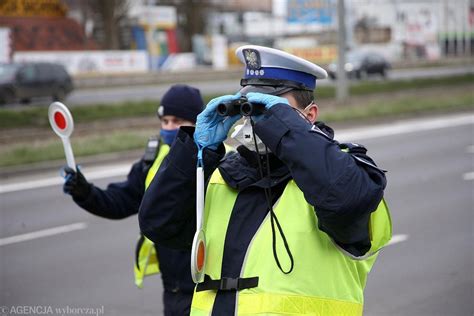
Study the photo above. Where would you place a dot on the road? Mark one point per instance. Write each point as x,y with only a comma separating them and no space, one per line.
74,259
155,92
137,93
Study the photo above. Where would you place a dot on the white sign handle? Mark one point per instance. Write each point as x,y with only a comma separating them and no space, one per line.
198,251
199,197
71,162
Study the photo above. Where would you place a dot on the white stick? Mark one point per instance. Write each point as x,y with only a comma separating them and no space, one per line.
199,197
68,152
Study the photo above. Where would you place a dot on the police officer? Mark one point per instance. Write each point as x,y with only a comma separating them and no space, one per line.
293,220
179,107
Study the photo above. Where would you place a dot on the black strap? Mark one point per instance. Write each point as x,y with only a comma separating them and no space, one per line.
137,250
273,217
227,284
274,83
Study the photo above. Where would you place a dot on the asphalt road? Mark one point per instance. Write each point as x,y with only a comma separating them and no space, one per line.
155,92
86,261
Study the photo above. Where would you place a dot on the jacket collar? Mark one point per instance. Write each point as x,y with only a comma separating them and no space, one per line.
240,169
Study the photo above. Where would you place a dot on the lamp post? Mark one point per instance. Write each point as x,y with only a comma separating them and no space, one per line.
342,89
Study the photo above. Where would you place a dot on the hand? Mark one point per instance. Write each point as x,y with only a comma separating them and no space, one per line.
266,99
211,128
75,184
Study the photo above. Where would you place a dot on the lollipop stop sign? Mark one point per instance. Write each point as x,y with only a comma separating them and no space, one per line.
62,124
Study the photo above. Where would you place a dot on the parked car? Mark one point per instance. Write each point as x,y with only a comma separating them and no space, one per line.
24,81
361,64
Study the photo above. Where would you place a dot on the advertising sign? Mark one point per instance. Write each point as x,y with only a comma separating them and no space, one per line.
81,62
311,11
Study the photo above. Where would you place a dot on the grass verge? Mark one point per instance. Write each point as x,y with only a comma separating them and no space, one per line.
38,116
52,149
18,154
401,106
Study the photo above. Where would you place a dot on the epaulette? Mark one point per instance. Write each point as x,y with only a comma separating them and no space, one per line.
353,148
359,153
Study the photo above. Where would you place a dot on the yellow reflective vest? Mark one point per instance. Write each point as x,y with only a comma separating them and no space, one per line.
325,279
146,258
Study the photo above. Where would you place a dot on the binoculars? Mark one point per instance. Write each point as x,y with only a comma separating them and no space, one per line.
242,106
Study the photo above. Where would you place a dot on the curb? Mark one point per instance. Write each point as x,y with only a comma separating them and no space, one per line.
204,74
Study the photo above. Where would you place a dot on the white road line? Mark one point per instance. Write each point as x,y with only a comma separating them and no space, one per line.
469,176
106,172
397,238
403,127
42,233
356,134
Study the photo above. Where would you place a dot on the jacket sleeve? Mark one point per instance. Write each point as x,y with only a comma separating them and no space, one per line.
120,199
343,189
168,211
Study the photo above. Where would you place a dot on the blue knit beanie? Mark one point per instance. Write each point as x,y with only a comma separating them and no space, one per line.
181,101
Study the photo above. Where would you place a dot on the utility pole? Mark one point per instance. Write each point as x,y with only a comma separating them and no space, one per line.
342,89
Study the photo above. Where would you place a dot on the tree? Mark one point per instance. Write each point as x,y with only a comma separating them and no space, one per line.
109,15
191,19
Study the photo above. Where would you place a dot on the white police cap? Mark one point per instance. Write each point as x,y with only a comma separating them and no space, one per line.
274,71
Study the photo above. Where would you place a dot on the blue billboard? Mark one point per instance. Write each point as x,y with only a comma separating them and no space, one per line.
311,11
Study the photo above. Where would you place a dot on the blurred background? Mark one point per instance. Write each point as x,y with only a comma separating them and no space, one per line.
404,89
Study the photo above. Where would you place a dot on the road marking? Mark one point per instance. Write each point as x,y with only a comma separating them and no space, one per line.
470,149
404,127
468,176
42,233
397,238
105,172
356,134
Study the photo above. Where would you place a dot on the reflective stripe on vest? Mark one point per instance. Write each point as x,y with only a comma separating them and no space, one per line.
324,280
146,259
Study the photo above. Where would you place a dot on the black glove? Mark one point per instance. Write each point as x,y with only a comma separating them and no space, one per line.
76,184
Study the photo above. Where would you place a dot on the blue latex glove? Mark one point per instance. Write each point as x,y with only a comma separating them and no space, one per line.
266,99
211,128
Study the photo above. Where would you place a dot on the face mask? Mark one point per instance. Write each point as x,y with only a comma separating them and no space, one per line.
168,136
243,135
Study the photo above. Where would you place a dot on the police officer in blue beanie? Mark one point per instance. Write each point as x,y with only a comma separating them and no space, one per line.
179,107
293,221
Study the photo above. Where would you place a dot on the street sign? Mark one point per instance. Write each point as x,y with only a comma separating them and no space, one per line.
62,124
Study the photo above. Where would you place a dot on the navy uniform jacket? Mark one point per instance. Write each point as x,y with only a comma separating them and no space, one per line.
121,200
343,187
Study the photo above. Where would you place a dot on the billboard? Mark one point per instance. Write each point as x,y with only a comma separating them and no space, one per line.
83,62
311,12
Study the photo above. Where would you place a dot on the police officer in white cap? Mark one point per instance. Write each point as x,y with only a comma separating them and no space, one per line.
293,220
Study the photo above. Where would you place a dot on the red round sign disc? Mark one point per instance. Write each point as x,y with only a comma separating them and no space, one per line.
200,255
60,120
